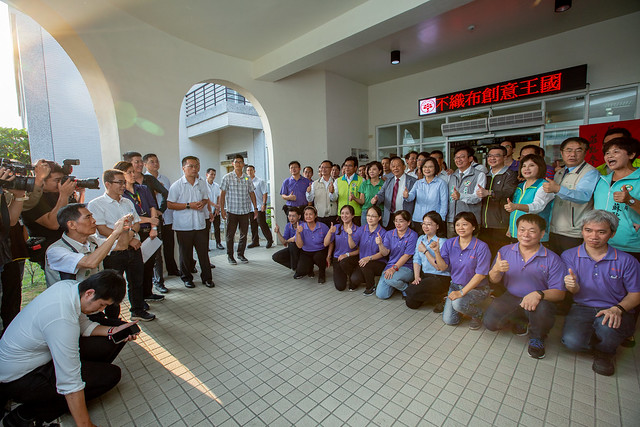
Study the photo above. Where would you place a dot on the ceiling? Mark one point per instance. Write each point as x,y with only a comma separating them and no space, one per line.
352,38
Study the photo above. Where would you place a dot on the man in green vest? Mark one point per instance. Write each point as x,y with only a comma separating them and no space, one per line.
349,188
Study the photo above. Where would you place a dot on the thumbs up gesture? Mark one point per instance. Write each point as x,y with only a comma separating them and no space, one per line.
501,265
276,228
510,206
481,192
331,188
571,282
378,239
292,197
332,229
349,230
299,228
434,246
309,189
622,196
405,193
550,186
455,194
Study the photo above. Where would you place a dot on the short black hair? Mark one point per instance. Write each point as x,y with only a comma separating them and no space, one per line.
442,226
498,147
107,284
109,174
305,168
54,168
470,151
533,219
625,132
434,162
582,141
238,156
539,151
71,212
185,159
294,162
406,156
211,170
251,166
437,152
146,157
469,217
630,145
130,155
354,159
538,160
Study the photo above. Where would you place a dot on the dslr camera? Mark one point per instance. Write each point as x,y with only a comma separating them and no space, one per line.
25,183
67,167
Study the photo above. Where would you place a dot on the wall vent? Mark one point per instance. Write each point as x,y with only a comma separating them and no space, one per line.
517,120
464,127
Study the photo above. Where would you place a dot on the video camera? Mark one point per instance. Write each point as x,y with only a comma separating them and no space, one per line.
25,183
67,168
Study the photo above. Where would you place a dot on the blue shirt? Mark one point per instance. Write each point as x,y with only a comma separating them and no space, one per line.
299,189
366,241
289,231
605,283
466,263
421,259
400,246
341,238
544,270
432,196
313,240
584,188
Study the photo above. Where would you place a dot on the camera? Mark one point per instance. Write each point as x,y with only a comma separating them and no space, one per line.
15,166
67,168
26,183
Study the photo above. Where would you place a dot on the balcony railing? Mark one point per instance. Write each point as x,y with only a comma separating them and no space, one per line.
210,95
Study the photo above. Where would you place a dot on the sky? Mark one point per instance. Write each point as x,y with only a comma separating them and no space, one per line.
8,98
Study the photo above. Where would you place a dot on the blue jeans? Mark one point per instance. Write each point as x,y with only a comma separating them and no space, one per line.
468,304
583,331
399,281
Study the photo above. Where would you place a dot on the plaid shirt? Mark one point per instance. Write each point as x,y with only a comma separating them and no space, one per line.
237,190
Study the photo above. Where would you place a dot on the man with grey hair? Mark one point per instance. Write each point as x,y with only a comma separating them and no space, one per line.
605,283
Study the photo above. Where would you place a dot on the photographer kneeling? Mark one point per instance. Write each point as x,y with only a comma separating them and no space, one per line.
41,364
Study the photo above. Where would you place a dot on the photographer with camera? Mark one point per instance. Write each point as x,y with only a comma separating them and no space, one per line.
41,220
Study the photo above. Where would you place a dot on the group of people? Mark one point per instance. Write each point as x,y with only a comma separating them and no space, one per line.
507,245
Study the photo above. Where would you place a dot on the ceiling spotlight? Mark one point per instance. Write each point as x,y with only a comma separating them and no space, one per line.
563,5
395,57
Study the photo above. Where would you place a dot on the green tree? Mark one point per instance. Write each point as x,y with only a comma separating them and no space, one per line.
14,144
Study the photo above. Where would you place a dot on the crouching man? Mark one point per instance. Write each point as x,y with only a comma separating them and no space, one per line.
53,359
605,283
532,276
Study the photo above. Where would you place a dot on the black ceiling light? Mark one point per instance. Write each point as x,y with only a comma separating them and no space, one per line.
563,5
395,57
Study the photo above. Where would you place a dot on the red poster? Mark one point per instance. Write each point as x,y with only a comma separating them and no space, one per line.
595,133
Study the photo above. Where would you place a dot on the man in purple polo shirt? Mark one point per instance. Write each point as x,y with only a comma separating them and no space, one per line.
294,188
533,276
605,283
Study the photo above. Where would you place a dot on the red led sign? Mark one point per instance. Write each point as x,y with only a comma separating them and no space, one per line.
566,80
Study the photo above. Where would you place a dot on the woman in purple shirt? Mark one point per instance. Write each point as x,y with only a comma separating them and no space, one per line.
310,239
400,245
468,260
289,255
344,258
371,263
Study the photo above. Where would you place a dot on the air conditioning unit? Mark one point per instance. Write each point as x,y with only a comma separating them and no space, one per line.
517,120
464,127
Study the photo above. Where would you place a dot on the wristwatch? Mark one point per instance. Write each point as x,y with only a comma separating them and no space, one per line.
631,201
188,205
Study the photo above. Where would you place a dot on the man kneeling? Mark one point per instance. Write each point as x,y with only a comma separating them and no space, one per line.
53,358
605,283
532,275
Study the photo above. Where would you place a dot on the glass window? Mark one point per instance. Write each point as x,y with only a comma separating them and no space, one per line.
564,112
410,137
612,106
431,129
385,152
387,136
552,141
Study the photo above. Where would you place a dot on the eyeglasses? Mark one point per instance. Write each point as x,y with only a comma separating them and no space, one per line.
192,166
428,224
572,151
490,156
120,182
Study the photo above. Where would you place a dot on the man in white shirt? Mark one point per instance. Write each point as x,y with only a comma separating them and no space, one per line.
41,364
189,200
261,200
214,202
324,195
126,257
411,158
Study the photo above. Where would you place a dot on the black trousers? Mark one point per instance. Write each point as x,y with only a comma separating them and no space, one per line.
128,263
431,290
505,310
216,229
233,222
11,291
343,270
262,223
187,240
495,238
367,274
327,220
168,248
37,390
288,256
559,243
308,259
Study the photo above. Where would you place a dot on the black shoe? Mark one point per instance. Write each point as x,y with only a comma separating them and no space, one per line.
536,348
369,291
439,307
253,245
143,315
189,285
212,266
145,306
520,329
219,246
173,273
298,276
269,244
312,274
154,298
321,278
161,288
209,284
352,287
629,342
232,260
603,364
243,259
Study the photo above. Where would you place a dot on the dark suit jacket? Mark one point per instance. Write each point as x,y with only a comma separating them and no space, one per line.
386,193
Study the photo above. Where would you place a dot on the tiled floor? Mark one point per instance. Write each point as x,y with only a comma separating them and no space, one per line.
263,349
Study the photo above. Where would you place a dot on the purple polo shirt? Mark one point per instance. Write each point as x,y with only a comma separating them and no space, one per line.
605,283
289,231
143,201
313,241
464,264
544,270
341,239
299,189
400,246
367,241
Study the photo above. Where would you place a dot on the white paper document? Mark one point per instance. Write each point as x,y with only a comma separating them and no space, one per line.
149,247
